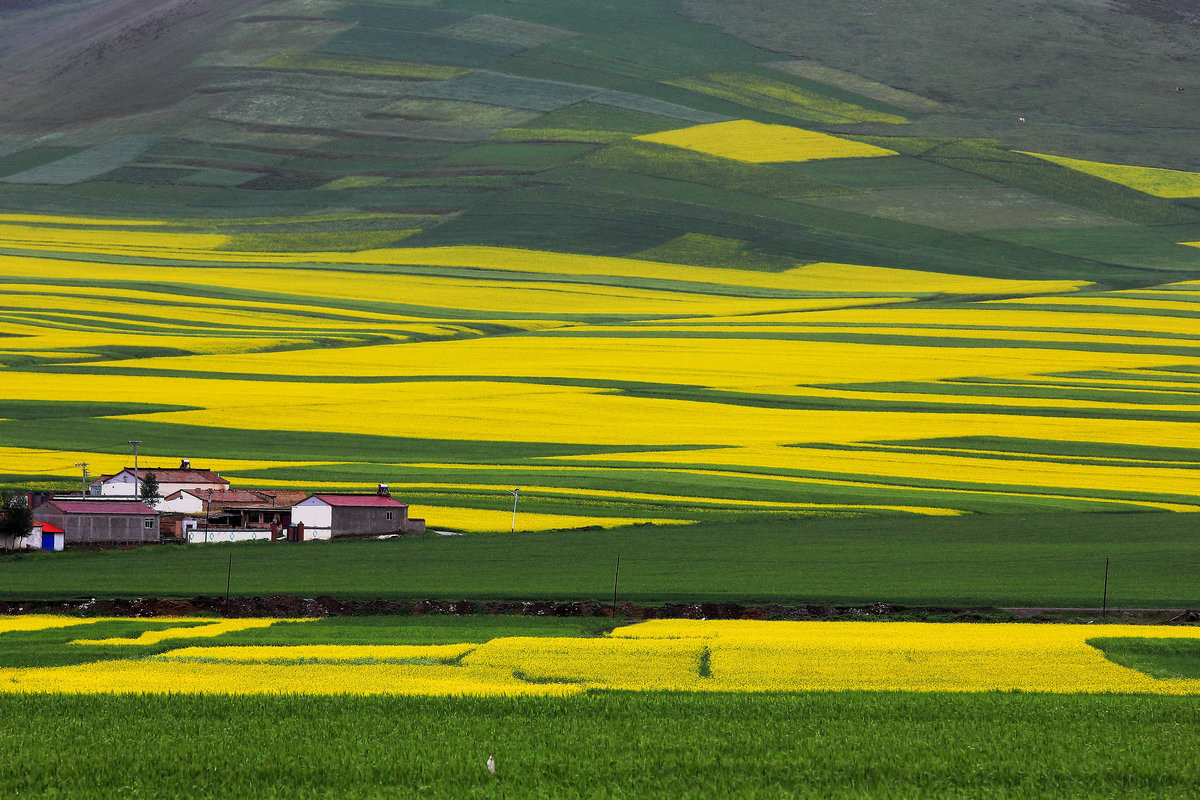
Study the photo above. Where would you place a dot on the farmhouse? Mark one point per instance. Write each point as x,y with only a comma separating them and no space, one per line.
333,515
207,515
170,480
90,520
239,508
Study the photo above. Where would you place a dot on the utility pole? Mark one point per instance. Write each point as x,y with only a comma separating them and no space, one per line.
83,464
1104,602
616,577
135,443
516,493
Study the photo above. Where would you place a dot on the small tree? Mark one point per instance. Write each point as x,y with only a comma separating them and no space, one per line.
149,489
16,518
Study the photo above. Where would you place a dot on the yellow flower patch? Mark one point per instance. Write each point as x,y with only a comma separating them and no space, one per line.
662,655
1151,180
40,622
318,653
911,656
198,632
184,677
107,240
483,520
608,663
756,142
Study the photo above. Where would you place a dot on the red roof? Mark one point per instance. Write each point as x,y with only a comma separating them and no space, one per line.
361,500
48,528
69,506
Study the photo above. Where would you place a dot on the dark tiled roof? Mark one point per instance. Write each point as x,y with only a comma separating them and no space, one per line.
177,475
256,498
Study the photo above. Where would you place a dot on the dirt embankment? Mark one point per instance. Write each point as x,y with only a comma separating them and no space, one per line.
285,606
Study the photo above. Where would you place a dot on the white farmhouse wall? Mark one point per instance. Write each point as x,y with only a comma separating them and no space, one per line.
314,513
122,485
165,489
31,542
119,485
184,504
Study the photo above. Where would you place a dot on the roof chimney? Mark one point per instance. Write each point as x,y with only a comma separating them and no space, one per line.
185,463
383,490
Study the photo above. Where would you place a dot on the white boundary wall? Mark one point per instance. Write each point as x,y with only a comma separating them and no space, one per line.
225,535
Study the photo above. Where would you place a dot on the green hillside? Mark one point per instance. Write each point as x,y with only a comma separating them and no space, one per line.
511,124
652,260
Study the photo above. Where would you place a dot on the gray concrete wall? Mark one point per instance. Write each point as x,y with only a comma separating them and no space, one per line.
89,528
366,521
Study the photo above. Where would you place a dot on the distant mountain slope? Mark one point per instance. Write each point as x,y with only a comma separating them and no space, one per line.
334,124
1115,80
66,64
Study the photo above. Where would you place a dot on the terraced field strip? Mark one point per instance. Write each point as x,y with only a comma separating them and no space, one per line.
1151,180
690,370
670,655
744,140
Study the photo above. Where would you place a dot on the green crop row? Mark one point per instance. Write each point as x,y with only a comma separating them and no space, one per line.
820,745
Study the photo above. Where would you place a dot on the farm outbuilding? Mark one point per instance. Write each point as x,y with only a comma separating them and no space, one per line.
92,520
185,477
245,508
336,515
41,536
48,537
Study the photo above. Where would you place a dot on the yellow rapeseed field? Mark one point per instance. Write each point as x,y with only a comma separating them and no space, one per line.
661,655
319,653
483,520
605,663
737,366
1151,180
110,241
56,462
500,519
912,656
53,219
41,622
204,631
850,279
756,142
156,676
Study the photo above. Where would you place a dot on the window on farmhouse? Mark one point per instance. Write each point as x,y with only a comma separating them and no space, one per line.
147,523
389,515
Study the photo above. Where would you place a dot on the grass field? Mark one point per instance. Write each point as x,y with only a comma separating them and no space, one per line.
1040,560
622,744
596,743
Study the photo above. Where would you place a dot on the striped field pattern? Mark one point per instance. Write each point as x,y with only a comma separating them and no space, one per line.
849,387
